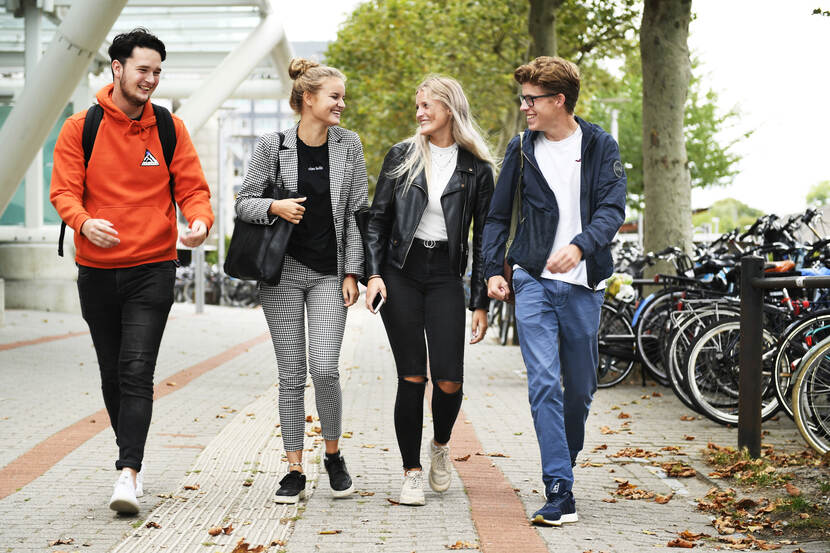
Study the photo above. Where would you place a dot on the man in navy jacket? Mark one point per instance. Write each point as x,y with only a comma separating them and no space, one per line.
572,204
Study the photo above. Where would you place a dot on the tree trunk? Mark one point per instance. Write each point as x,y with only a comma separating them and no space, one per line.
666,75
540,26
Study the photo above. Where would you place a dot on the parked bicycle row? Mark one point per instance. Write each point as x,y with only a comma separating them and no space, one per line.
687,334
231,291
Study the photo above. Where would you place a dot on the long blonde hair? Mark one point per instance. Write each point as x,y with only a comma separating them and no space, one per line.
465,131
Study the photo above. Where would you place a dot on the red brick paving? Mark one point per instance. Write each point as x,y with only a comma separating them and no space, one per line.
47,453
498,514
41,340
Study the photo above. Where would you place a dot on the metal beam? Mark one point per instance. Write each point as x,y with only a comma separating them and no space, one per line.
48,90
233,70
34,174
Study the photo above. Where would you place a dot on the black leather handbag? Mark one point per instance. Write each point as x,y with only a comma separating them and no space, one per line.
256,252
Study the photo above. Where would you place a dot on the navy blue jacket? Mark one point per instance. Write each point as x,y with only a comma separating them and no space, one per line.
602,208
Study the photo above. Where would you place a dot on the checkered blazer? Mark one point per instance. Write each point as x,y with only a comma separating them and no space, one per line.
347,180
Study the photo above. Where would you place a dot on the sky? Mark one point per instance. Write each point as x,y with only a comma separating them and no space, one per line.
766,58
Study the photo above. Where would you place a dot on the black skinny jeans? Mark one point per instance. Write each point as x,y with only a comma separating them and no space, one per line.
126,310
424,315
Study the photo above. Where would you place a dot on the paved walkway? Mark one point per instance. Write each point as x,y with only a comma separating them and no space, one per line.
214,454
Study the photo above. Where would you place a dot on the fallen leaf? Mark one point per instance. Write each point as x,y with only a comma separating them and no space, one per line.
607,430
599,448
244,547
662,499
347,434
492,454
462,459
792,490
277,543
171,384
691,536
152,524
656,394
366,494
62,541
308,418
462,545
192,487
623,415
687,418
680,542
609,500
329,532
649,532
688,438
393,501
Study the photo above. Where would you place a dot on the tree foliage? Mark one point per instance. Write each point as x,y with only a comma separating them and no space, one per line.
712,162
819,194
387,47
730,214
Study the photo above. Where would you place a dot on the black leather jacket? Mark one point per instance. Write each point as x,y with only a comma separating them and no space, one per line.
394,217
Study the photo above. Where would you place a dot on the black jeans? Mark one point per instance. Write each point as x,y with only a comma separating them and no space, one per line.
425,299
126,310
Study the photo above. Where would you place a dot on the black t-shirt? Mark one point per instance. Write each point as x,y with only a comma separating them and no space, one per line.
314,242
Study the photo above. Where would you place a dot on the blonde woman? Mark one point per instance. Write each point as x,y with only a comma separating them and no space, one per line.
324,163
431,187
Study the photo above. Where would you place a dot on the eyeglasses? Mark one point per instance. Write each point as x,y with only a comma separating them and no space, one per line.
530,100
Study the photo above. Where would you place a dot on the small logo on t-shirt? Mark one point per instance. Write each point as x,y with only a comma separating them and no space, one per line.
149,160
579,160
318,168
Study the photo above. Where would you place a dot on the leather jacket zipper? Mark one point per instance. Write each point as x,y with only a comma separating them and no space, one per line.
412,238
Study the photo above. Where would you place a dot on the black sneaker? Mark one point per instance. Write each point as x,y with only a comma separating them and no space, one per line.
339,479
292,487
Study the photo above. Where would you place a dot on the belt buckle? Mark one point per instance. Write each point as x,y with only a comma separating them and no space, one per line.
429,244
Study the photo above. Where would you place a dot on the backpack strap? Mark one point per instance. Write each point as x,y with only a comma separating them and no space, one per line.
91,123
517,199
167,136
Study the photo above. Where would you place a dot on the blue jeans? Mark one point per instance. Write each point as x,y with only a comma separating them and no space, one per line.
126,310
558,324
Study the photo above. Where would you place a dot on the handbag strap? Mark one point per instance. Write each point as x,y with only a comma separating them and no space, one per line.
517,199
274,193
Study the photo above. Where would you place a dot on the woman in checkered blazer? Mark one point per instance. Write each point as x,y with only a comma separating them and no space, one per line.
431,188
324,259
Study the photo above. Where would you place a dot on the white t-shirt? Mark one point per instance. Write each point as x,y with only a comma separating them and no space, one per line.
442,165
561,165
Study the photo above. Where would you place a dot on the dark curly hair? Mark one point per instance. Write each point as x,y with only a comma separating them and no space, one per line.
123,44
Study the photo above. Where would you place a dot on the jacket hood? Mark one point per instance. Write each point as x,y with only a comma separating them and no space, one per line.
148,118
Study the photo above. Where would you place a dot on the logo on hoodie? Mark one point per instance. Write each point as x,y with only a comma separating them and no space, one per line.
149,160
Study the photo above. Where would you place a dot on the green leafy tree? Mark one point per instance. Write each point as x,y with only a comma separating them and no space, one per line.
819,194
712,162
729,212
387,47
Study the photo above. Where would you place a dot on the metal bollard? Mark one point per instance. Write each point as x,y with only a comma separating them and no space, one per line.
749,391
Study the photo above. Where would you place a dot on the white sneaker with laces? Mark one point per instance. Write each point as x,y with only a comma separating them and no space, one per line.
412,491
440,471
123,498
139,482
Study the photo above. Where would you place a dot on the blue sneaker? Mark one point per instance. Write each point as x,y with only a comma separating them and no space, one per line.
560,508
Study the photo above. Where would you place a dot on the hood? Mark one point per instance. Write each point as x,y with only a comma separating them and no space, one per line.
118,117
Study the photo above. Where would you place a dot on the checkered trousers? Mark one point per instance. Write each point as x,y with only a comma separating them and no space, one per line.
302,290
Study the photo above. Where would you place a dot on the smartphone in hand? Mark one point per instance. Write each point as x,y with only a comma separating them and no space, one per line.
378,302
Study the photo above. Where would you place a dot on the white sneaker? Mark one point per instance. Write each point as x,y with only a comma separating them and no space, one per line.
440,471
139,482
412,491
123,495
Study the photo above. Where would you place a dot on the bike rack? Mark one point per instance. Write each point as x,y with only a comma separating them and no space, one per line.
753,283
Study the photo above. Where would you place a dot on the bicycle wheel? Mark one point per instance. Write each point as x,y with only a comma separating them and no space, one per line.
713,373
652,329
793,345
494,313
811,397
507,320
616,347
688,328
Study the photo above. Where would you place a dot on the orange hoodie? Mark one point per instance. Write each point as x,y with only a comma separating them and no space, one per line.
123,185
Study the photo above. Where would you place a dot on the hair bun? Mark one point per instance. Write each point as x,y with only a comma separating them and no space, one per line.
298,66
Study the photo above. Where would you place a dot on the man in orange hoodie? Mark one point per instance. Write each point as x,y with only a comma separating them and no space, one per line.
120,206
